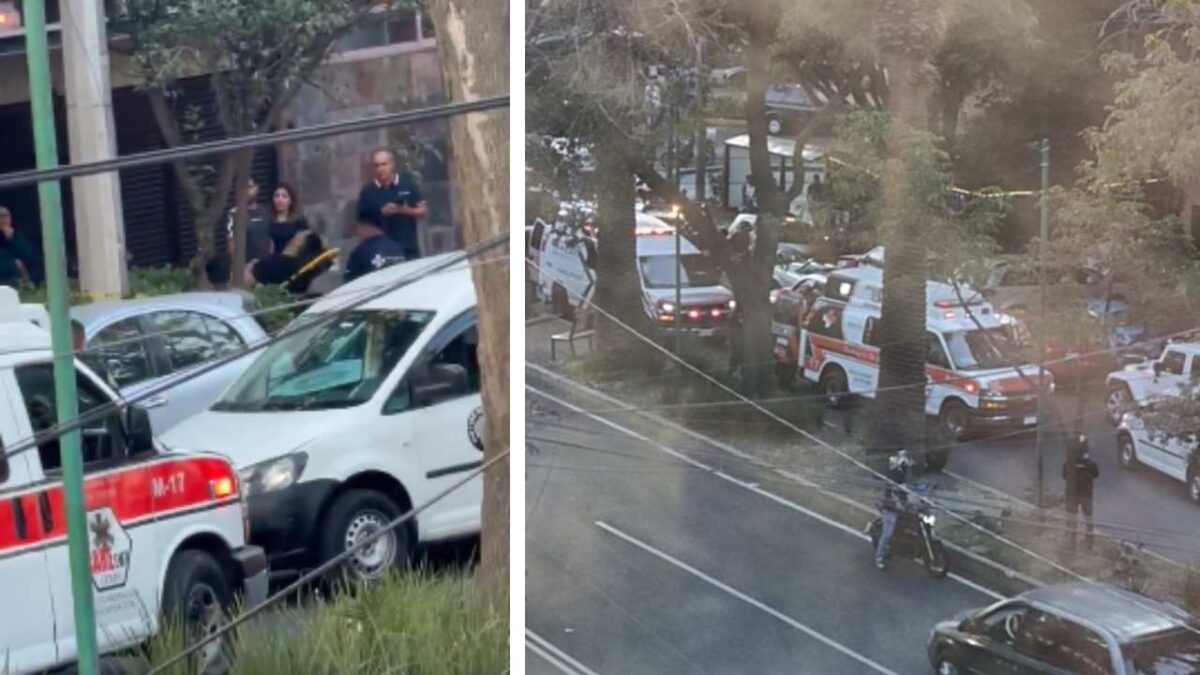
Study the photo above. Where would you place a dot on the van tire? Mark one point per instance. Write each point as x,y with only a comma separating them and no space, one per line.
560,304
953,419
835,387
353,515
197,595
1126,452
1119,397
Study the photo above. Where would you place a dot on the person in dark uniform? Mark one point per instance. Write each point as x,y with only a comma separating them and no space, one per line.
15,252
393,201
1079,472
375,251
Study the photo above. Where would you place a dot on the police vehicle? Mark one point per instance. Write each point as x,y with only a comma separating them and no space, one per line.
971,372
339,429
166,530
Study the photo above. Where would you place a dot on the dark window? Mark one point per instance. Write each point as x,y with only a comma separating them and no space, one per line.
100,442
1173,362
1003,625
869,332
1173,651
225,340
1066,645
535,235
463,351
826,319
186,337
120,350
379,29
937,354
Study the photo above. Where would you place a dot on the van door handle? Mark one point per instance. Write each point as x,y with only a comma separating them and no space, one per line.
19,519
47,514
155,402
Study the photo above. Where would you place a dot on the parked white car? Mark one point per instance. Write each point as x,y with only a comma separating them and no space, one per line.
140,342
1174,456
1169,375
338,429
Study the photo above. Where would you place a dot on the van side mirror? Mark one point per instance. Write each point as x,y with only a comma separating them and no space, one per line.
139,434
1159,367
441,382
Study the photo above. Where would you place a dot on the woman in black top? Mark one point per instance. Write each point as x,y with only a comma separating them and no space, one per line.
286,219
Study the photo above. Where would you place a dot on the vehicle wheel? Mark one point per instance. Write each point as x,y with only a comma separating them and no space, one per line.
355,515
774,125
1118,401
196,597
785,374
834,387
936,460
953,420
560,304
939,565
1194,485
946,667
1126,452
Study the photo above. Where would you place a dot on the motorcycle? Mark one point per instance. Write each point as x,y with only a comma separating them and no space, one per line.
914,538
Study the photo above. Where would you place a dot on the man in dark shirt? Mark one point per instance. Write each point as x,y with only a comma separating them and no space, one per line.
374,251
15,252
393,201
1079,472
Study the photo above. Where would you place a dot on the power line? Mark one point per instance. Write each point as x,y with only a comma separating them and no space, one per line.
253,141
324,568
104,409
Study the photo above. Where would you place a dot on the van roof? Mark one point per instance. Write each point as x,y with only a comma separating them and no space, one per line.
448,292
650,225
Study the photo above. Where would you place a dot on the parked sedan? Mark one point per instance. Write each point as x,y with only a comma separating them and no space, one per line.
1070,629
140,342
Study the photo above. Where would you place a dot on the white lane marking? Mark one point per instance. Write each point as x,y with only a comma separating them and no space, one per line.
820,637
783,501
553,654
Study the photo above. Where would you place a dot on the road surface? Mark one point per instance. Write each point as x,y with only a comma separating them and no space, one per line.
663,555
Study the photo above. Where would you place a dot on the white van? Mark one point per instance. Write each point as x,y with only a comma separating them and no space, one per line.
972,381
166,530
706,305
341,428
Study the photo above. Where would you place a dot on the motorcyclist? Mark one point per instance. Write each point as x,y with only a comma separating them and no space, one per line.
895,501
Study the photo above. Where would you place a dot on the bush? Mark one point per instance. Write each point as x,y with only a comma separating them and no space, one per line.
274,296
411,623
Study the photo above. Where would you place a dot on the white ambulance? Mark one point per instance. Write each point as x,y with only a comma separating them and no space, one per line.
166,529
971,374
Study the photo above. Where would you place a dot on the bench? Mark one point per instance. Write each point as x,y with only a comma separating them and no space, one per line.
583,327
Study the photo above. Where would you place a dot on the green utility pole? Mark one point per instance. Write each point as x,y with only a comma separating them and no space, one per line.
50,199
1044,234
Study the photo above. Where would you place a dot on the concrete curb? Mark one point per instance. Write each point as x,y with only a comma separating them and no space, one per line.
842,509
539,319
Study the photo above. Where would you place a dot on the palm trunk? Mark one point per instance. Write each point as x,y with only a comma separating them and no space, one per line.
473,46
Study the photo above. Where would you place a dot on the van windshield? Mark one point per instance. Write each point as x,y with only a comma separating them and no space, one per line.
336,364
658,271
983,349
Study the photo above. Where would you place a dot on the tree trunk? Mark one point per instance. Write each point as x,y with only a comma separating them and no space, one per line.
755,285
243,162
900,402
617,287
473,46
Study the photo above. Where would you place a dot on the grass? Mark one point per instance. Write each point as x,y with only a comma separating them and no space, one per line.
412,624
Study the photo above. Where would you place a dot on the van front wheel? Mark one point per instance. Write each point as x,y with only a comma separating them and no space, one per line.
196,599
354,517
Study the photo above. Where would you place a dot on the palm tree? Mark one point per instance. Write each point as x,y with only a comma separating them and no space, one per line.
906,33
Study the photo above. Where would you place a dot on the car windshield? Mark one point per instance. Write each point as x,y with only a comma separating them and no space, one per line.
333,364
658,271
982,349
1176,652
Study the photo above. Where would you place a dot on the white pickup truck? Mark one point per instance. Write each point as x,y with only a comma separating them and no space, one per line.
1137,384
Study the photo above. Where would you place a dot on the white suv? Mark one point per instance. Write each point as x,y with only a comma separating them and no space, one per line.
1170,375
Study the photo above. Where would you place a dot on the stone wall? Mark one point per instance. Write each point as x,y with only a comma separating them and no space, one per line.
328,173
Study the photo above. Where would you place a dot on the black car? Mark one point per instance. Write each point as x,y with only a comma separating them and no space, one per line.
1071,629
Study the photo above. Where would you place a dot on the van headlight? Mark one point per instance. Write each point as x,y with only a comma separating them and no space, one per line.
274,474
